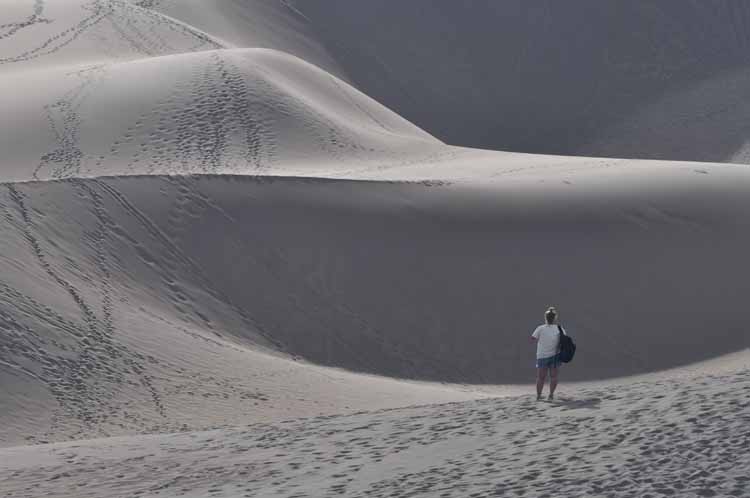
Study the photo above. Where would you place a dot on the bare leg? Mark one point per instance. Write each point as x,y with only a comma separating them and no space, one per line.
552,381
541,376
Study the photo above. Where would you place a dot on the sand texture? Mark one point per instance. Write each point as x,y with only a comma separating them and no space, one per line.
657,80
246,249
678,437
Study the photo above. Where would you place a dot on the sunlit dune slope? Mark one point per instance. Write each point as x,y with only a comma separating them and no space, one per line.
46,34
241,111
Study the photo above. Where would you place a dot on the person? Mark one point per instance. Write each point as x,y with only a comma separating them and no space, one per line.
547,338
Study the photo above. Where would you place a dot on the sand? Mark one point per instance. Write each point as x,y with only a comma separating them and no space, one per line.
227,270
583,77
684,436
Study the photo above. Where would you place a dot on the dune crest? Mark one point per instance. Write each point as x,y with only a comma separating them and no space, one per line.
250,111
583,77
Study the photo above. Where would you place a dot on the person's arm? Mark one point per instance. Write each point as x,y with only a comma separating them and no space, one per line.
535,335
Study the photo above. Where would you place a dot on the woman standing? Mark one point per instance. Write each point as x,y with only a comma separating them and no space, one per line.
547,338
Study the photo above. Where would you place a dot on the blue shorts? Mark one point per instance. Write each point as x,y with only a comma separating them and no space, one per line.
548,362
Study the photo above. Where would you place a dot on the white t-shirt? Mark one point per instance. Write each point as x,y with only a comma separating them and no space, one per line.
548,338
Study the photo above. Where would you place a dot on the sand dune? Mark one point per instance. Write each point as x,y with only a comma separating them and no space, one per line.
255,23
140,281
222,213
250,111
684,437
53,33
112,327
584,77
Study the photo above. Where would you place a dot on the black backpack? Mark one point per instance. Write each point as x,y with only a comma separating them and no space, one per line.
567,346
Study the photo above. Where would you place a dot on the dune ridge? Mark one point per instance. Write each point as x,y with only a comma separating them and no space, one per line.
586,77
229,110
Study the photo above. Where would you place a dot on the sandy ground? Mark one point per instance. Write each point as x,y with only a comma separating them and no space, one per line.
682,436
225,270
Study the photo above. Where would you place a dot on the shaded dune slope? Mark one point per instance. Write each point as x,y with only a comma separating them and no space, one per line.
587,77
116,289
111,324
583,77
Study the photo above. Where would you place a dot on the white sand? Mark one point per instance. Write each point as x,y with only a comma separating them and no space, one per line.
684,436
209,227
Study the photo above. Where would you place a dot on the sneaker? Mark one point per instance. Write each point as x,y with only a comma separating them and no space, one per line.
550,397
